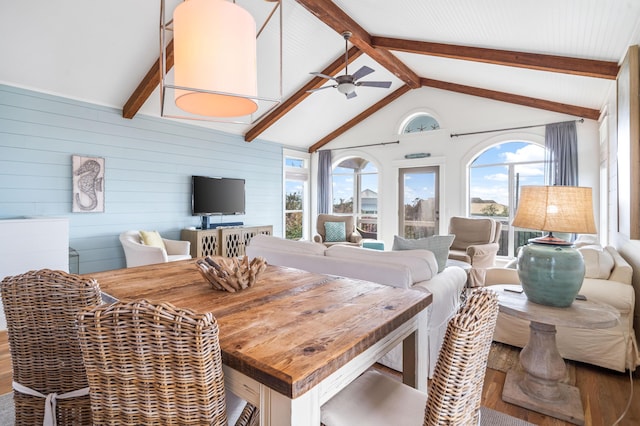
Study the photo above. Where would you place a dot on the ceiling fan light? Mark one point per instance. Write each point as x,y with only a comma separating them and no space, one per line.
346,88
215,51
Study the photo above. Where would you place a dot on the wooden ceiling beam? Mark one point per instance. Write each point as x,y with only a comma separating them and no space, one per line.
290,103
561,64
339,21
358,118
148,84
378,49
592,114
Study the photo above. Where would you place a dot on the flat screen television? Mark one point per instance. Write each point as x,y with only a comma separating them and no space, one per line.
216,196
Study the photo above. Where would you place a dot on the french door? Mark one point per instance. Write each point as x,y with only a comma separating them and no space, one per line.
418,202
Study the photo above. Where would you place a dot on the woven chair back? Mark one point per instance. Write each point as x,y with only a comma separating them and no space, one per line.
41,309
456,389
153,364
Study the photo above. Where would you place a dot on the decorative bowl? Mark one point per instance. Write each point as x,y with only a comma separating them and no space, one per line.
231,274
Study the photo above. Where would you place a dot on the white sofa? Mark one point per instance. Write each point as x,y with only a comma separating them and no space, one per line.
415,269
607,280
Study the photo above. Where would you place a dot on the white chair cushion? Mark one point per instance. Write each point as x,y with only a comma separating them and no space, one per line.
422,263
375,399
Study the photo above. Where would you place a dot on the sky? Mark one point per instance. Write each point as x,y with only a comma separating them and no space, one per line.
491,181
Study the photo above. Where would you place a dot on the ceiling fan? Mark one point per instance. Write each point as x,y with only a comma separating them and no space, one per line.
346,84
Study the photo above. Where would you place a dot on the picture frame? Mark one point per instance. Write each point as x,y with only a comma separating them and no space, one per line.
88,184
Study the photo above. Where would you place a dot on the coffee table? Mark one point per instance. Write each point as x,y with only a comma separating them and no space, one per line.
538,387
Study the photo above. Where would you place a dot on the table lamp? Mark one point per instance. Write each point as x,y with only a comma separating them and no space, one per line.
551,270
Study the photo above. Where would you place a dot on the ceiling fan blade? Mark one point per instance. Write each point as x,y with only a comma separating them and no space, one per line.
383,84
323,87
351,95
365,70
319,74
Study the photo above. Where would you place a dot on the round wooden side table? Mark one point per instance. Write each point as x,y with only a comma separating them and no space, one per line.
538,387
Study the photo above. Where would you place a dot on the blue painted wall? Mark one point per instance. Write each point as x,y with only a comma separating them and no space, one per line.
148,168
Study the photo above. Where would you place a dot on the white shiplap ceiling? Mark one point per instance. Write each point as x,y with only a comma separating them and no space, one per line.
99,51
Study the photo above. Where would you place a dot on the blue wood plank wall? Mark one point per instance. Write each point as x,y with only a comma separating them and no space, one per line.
148,167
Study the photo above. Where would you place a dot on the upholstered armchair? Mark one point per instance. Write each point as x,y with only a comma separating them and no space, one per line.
331,231
156,250
476,241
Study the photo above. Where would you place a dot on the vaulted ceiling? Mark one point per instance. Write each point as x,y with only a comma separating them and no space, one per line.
557,55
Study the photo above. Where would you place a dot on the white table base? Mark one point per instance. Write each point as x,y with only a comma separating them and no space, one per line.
279,410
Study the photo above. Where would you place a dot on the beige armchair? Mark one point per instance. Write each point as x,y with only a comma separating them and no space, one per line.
476,241
138,254
351,235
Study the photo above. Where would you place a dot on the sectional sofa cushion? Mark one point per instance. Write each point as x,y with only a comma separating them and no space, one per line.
290,246
437,244
597,261
421,263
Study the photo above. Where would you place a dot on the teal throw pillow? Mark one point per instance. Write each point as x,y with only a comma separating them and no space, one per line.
437,244
334,232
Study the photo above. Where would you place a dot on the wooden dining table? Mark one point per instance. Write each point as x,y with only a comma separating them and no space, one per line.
294,339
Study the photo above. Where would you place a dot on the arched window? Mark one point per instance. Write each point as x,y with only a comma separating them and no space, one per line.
419,122
495,178
355,192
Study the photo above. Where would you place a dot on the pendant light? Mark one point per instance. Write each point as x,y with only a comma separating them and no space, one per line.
212,46
215,52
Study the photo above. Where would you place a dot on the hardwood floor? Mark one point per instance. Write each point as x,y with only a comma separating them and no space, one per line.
604,393
5,364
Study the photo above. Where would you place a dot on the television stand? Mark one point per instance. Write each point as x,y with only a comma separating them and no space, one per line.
206,223
222,241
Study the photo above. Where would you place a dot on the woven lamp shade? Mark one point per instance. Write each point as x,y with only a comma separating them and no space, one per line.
556,209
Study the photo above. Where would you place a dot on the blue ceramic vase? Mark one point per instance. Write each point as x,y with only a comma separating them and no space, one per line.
550,275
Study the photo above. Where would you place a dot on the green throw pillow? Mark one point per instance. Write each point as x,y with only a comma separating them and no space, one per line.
334,232
437,244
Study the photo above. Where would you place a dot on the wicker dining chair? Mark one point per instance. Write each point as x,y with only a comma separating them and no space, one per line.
41,308
154,364
454,393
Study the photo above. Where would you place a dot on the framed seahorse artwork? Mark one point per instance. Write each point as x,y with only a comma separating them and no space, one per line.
88,184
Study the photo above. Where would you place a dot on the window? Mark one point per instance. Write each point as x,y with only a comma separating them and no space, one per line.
419,201
296,178
495,178
419,122
355,192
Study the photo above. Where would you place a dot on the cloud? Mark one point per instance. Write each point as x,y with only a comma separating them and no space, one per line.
499,194
499,177
530,152
530,170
